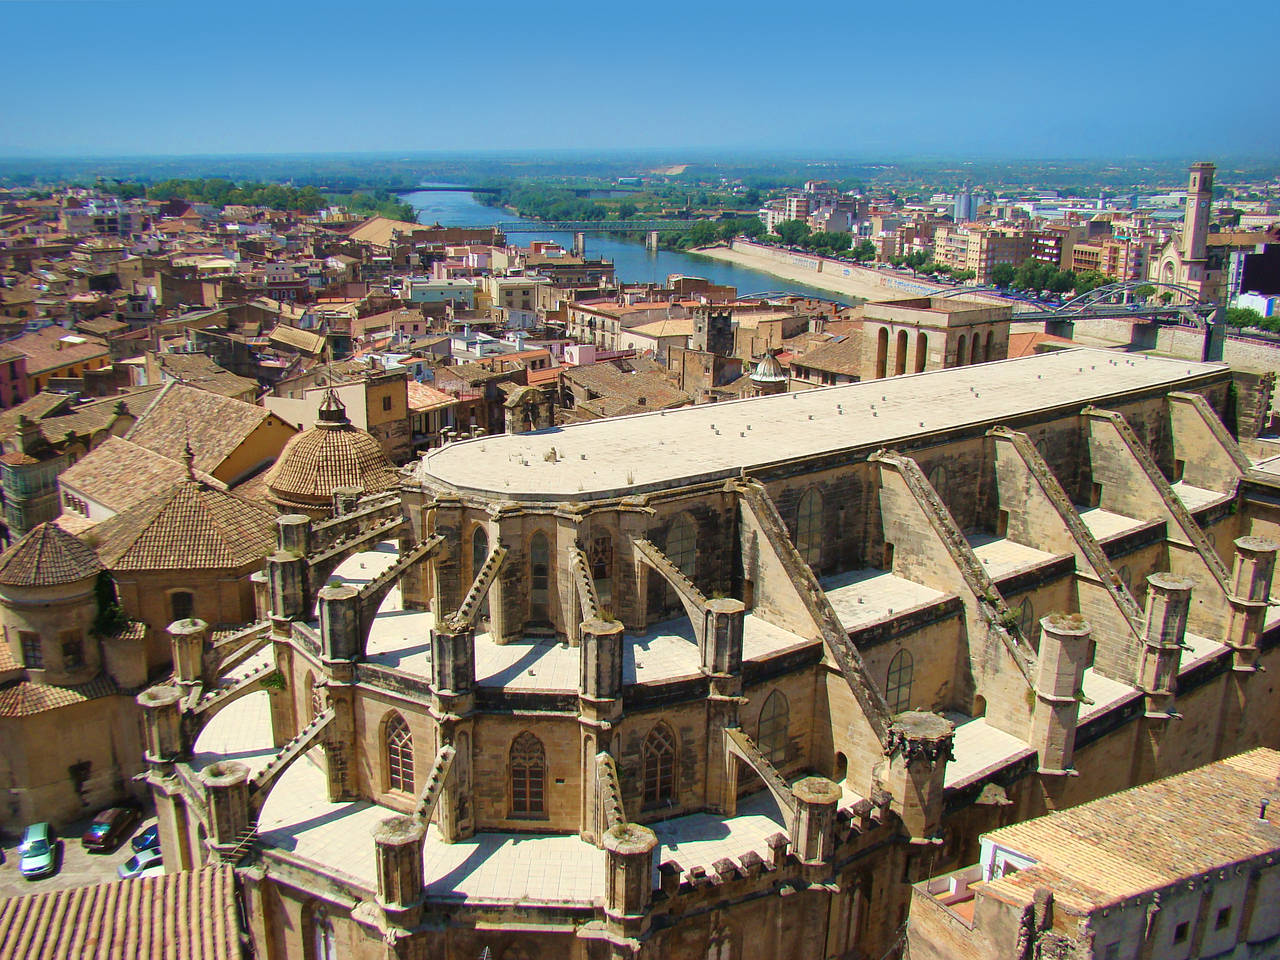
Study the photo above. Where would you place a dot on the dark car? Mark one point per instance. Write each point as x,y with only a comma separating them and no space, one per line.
110,827
148,839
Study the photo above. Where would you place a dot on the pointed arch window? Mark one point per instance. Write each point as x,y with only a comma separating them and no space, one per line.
682,545
479,550
399,743
528,766
324,944
480,554
539,576
771,731
658,757
897,688
809,528
600,556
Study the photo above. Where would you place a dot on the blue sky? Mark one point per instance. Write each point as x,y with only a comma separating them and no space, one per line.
1003,78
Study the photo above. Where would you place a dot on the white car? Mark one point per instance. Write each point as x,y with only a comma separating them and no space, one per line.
145,864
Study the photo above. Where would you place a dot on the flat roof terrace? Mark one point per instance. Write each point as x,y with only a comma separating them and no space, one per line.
400,640
627,455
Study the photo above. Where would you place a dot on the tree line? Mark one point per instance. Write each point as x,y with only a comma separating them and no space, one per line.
222,192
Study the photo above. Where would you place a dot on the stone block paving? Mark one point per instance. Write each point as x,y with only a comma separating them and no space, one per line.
77,866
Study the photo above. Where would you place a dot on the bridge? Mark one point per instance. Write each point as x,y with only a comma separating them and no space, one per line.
589,226
453,188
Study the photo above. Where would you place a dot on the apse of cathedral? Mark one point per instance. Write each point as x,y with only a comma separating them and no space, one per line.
721,681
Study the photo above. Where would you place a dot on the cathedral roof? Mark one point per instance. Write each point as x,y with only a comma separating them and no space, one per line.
332,454
47,556
190,526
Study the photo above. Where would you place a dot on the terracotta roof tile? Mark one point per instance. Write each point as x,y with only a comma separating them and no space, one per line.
191,526
27,697
214,425
54,347
1150,836
119,473
422,397
303,341
187,915
843,356
200,370
330,455
46,556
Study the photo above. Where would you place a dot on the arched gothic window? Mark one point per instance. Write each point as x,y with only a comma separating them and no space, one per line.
682,545
399,743
479,554
600,556
809,528
771,731
961,344
1027,622
882,353
897,688
528,766
539,576
479,550
324,945
659,765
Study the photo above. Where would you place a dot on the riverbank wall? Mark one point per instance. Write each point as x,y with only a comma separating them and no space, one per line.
837,276
839,270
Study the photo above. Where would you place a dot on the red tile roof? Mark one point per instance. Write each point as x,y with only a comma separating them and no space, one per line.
48,556
189,915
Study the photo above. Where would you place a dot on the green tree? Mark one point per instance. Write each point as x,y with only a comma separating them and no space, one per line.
792,232
1245,317
1091,280
1061,281
960,276
702,234
1002,275
865,250
919,261
626,210
1144,292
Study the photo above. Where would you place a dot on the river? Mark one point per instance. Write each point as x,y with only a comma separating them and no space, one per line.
632,261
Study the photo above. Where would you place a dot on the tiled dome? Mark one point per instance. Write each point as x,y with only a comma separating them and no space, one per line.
768,370
330,455
48,556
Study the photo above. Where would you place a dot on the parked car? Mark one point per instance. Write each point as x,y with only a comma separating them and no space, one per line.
38,852
140,862
110,827
148,839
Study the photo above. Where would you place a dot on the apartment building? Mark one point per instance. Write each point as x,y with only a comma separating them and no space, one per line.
980,248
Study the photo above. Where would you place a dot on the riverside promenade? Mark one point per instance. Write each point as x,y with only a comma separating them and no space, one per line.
826,273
